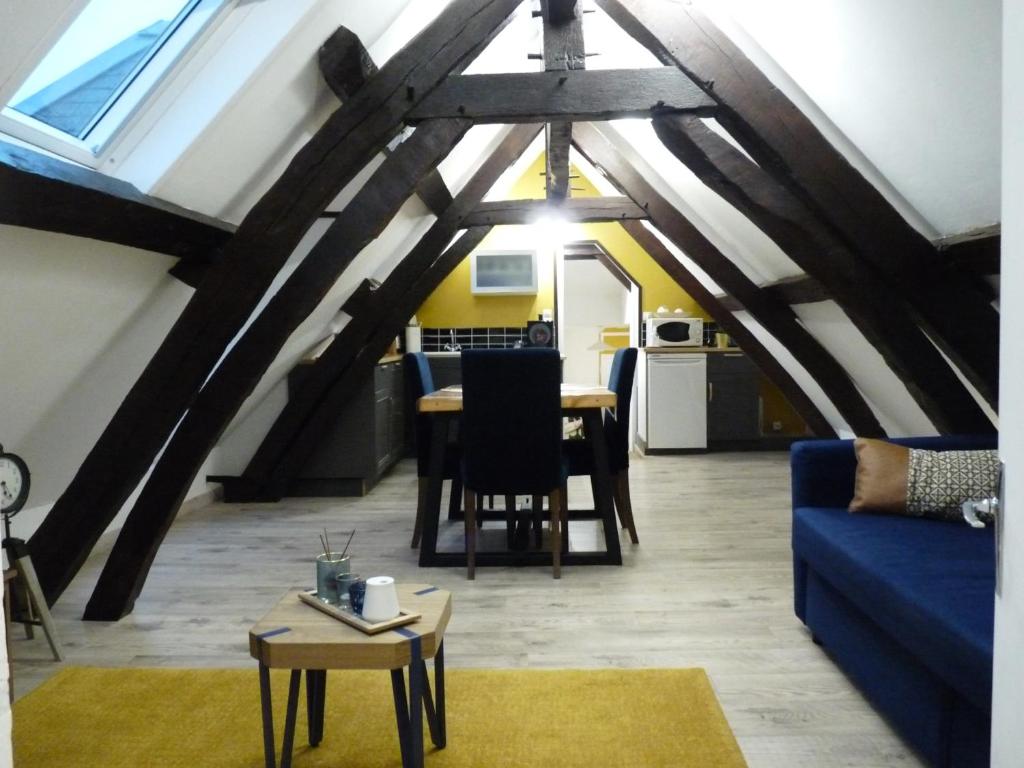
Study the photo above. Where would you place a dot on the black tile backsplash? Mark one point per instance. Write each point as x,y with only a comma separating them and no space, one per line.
441,339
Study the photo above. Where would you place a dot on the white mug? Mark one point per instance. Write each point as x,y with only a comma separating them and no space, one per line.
381,601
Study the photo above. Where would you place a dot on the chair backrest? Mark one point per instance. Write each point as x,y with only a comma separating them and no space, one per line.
616,428
419,382
511,431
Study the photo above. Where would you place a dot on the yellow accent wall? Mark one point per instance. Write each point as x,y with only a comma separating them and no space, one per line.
453,305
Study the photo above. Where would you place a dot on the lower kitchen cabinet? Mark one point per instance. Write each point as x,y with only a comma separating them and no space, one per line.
365,440
734,412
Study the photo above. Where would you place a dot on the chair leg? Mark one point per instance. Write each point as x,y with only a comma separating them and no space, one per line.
624,505
510,520
555,502
480,506
470,502
565,518
455,498
537,504
421,506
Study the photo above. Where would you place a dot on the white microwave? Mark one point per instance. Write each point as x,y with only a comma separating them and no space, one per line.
675,332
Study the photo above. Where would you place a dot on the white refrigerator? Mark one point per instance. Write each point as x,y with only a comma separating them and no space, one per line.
673,401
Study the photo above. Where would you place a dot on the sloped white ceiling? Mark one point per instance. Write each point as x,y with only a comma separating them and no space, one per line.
914,85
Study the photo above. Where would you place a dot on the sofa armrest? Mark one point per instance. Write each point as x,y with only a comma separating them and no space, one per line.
823,471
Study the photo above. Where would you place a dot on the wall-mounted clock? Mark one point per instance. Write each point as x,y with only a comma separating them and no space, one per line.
14,483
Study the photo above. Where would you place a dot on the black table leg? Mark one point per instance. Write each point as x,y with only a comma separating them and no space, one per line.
289,717
441,737
602,482
416,679
269,756
435,479
409,711
401,713
316,693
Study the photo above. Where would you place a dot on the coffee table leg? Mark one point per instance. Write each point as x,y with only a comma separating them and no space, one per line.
289,718
434,705
401,713
417,677
316,694
268,718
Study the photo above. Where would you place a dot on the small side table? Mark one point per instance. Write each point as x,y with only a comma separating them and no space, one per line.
297,637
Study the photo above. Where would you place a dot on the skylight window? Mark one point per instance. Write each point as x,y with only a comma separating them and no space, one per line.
104,64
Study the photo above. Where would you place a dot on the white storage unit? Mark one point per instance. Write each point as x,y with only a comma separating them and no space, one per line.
672,400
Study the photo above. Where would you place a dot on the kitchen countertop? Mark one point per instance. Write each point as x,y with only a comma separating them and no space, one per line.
457,354
690,350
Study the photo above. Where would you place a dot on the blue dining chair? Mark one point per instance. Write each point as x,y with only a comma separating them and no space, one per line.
511,434
616,434
419,382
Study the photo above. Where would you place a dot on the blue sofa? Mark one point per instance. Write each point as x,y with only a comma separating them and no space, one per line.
903,605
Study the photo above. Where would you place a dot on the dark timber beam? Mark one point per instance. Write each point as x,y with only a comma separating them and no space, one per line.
360,128
537,97
975,256
41,192
346,65
563,50
790,290
880,313
237,375
580,209
311,410
776,317
784,142
558,11
747,341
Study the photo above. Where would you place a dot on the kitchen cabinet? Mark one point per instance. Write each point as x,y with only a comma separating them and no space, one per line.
733,409
365,440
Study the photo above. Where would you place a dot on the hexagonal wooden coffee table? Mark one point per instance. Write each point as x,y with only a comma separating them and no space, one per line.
298,637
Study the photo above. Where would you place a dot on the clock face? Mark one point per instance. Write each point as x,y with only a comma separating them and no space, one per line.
14,482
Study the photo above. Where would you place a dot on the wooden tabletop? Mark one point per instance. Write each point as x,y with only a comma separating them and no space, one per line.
449,399
294,635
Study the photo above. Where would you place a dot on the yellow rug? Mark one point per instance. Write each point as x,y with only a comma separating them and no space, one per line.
114,718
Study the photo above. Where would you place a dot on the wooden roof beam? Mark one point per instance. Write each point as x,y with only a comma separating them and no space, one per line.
801,289
786,144
577,210
574,95
563,50
346,65
226,298
42,192
876,308
776,317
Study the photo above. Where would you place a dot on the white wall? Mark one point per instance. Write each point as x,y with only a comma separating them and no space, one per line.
1008,677
910,90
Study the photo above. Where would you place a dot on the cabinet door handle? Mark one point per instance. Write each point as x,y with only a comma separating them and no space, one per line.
711,391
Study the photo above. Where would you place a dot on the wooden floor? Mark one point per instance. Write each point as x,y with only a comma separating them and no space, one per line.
710,585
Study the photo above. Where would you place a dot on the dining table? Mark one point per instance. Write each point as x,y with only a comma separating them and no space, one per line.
585,402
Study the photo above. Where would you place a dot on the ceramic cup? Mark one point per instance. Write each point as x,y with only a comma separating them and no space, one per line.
356,593
328,566
381,601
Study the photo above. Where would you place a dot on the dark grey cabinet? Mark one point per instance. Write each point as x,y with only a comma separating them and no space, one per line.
365,440
734,412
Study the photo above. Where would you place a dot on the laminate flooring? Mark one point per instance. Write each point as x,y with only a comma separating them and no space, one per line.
709,585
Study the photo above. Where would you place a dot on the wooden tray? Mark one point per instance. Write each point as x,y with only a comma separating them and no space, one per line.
354,619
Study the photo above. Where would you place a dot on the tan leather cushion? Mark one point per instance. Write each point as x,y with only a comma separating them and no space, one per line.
881,482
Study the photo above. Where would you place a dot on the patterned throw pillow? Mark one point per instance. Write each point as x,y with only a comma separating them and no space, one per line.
939,482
